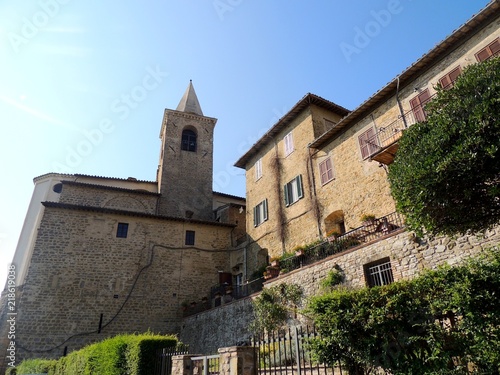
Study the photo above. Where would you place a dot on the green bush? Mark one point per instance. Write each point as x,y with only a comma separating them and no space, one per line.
440,322
122,354
36,366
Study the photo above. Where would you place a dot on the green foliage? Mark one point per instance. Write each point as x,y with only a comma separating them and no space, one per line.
446,175
274,305
439,322
334,278
36,366
122,354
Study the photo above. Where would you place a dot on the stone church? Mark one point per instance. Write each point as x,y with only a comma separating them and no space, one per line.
99,256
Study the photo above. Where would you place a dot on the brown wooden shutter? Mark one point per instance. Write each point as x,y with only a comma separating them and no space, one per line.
488,51
418,103
445,81
364,142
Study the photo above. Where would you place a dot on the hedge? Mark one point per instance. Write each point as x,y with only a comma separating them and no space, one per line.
122,354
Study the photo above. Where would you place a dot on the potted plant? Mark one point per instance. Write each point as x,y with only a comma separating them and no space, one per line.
368,219
331,235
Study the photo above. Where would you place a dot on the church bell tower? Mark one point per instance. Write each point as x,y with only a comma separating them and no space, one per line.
186,160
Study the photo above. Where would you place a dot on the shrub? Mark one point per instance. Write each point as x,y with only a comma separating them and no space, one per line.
122,354
35,366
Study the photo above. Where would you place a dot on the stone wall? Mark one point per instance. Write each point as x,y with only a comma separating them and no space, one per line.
409,255
108,197
220,327
80,270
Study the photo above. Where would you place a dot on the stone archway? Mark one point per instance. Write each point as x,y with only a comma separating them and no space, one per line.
335,222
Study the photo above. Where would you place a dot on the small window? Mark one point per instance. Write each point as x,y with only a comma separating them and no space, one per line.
449,79
260,213
122,230
368,143
188,140
294,191
491,49
326,170
57,188
418,105
258,169
379,273
288,140
190,237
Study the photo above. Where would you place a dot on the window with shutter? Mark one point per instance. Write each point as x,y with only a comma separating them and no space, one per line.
491,49
449,79
326,170
258,169
368,143
418,105
288,140
260,213
293,190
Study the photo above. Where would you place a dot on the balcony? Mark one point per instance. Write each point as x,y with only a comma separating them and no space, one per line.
375,230
384,144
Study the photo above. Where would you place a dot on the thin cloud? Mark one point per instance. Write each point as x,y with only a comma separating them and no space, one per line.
37,113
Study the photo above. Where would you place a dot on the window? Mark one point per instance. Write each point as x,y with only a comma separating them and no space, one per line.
57,188
418,104
188,140
449,79
189,237
288,144
260,213
326,170
293,190
238,279
379,273
368,143
490,50
258,169
122,230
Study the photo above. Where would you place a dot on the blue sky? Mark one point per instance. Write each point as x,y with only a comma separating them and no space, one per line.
69,67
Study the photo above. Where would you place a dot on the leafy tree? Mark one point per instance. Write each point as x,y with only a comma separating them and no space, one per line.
446,175
273,307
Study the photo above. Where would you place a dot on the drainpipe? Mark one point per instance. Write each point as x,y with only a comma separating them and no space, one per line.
315,197
401,112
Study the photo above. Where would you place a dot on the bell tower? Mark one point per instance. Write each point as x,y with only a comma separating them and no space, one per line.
186,160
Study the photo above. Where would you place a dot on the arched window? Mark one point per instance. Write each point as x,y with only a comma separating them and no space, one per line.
188,140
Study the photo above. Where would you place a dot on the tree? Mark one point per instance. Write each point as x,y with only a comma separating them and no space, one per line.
446,175
273,307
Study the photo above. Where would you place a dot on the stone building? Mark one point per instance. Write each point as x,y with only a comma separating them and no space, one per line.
99,256
321,168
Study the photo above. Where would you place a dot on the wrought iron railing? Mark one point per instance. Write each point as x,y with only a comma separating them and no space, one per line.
372,231
288,352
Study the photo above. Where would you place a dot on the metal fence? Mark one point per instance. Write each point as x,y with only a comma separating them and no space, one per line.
206,365
287,352
163,365
369,232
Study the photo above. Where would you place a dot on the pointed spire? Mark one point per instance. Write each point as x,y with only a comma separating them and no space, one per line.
189,101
